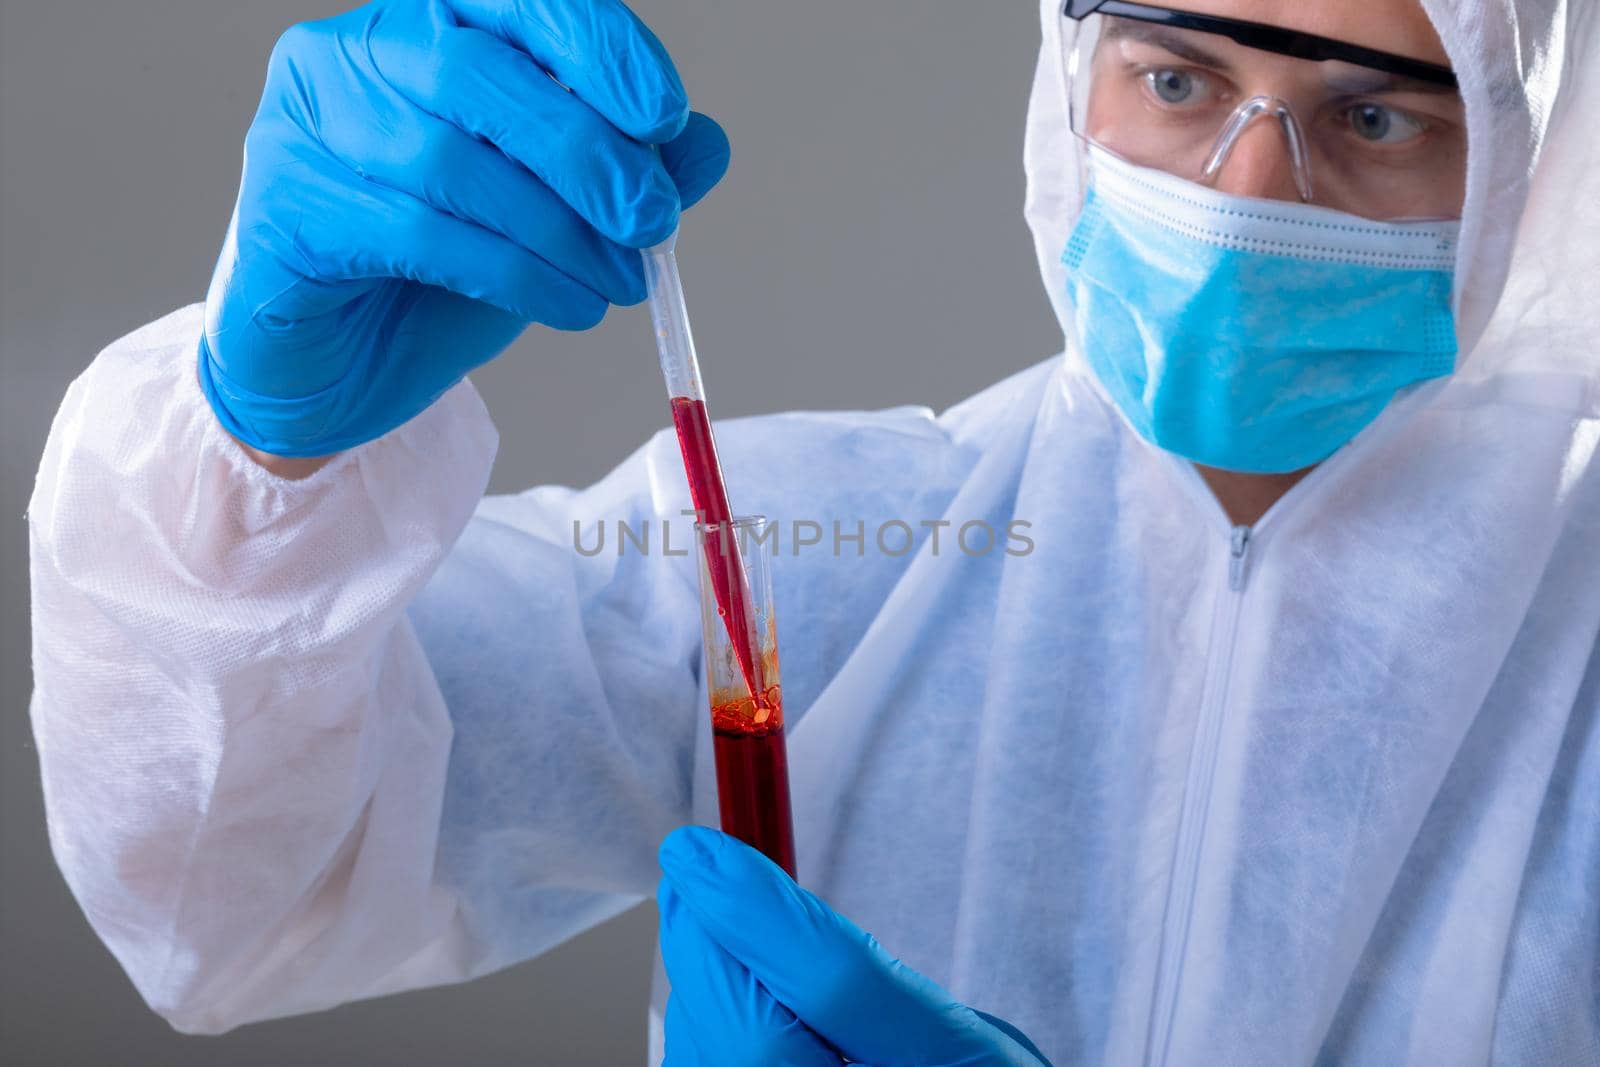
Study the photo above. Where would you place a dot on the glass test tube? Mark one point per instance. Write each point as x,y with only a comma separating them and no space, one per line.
747,729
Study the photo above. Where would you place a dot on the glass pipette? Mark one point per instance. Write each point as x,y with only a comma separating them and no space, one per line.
681,370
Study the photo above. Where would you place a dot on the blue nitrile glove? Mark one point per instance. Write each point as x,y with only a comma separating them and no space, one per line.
764,972
418,189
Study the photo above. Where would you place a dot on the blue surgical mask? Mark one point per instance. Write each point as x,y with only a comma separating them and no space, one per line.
1252,335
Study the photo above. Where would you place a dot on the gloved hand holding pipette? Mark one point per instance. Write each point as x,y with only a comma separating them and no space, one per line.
473,195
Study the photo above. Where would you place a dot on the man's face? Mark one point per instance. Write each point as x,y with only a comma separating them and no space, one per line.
1378,145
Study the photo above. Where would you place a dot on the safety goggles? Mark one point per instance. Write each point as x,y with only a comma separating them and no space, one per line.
1363,131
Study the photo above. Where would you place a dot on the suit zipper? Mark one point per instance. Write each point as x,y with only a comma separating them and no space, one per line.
1196,801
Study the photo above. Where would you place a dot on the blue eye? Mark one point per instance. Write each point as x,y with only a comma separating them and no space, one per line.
1171,86
1383,125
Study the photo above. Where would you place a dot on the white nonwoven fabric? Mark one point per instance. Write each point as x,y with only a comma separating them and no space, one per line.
1159,791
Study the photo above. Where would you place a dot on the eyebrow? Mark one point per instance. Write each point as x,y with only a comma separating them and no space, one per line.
1363,81
1179,44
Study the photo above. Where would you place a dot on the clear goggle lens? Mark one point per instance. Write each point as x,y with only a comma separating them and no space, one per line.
1200,105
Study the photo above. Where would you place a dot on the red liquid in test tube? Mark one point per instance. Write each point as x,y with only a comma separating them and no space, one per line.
753,774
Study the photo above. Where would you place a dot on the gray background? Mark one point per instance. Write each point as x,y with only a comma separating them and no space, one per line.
867,249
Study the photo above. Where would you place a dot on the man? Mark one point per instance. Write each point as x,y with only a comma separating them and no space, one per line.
1278,746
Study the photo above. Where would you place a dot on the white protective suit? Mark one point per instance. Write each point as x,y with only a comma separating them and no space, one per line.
1160,791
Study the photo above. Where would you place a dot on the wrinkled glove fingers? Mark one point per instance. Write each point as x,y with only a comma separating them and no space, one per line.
499,94
734,1022
697,158
600,50
402,237
448,169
